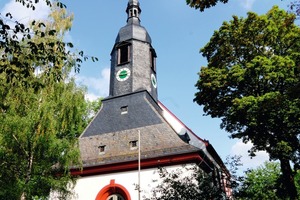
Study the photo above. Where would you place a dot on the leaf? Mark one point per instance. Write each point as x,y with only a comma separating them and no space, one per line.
22,26
51,44
5,27
69,44
41,24
8,15
52,32
94,59
61,5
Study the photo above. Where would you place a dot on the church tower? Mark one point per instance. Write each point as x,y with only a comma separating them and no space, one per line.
133,57
133,84
133,133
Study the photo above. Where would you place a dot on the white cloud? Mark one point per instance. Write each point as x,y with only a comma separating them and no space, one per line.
241,148
97,86
23,14
247,4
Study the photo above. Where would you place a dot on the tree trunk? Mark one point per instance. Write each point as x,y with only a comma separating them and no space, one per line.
28,175
288,179
23,196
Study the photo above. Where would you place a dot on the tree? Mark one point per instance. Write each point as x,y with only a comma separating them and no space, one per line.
186,183
92,108
42,111
252,81
263,183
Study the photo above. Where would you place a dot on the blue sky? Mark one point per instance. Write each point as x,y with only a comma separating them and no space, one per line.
177,31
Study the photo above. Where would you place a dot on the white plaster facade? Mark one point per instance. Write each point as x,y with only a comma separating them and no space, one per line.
87,188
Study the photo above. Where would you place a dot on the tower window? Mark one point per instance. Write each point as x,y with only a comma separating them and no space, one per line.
135,12
124,110
153,59
102,149
123,54
133,144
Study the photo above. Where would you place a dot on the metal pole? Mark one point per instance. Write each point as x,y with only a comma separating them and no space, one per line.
139,167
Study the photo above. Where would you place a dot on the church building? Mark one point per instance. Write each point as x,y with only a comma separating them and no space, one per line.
133,133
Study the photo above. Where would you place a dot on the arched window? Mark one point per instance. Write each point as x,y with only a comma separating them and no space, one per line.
135,12
153,59
115,197
113,191
123,50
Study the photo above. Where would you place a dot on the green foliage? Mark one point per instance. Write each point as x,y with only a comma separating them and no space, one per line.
252,83
92,108
264,182
204,4
42,111
45,49
297,180
187,183
261,183
38,135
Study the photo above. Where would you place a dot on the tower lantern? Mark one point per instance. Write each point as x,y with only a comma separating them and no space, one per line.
133,10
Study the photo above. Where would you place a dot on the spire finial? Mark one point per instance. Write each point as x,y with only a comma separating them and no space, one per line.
133,11
136,2
133,1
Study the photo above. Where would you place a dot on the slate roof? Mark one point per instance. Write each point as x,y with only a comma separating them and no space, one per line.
115,131
142,111
133,30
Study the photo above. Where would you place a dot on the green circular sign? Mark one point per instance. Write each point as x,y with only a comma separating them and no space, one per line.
153,80
123,74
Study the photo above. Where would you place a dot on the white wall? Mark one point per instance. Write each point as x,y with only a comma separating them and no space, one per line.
87,188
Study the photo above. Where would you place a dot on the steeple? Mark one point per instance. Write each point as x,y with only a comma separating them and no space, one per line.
133,12
133,28
133,57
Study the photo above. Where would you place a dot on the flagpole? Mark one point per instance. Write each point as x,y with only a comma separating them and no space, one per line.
139,167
